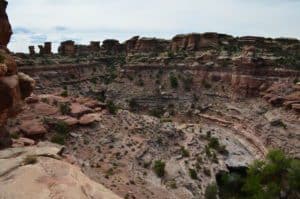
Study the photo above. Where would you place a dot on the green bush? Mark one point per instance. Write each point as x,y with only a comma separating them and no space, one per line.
173,81
184,152
187,82
133,105
156,112
266,179
58,138
30,159
193,174
64,93
159,168
64,108
112,108
211,192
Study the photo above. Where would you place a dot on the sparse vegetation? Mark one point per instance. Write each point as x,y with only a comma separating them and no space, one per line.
156,112
266,179
159,168
211,192
173,81
187,83
184,152
64,93
112,108
30,159
64,108
193,174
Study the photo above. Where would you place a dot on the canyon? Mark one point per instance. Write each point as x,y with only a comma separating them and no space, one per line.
198,104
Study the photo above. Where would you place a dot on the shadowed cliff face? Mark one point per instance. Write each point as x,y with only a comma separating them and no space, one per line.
5,31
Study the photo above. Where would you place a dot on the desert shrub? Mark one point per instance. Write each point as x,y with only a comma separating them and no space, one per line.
156,112
214,143
15,135
273,177
187,83
30,159
140,82
133,105
184,152
173,81
64,93
93,80
193,174
64,108
58,138
159,168
112,108
211,192
61,128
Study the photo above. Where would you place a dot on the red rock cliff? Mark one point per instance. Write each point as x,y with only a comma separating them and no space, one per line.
14,86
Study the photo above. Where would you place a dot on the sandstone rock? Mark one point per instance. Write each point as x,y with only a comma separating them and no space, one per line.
32,99
130,44
45,109
70,121
31,50
26,85
296,107
32,128
46,178
46,49
88,119
21,142
67,48
77,110
5,30
14,87
112,46
146,45
95,46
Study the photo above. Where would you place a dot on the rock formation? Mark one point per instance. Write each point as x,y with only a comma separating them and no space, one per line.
39,172
14,86
67,48
31,50
112,46
95,46
46,49
5,31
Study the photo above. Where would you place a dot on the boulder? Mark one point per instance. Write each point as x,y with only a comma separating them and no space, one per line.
45,109
21,142
33,128
77,110
39,172
88,119
70,121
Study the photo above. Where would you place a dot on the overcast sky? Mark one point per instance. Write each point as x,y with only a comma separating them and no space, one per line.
36,21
